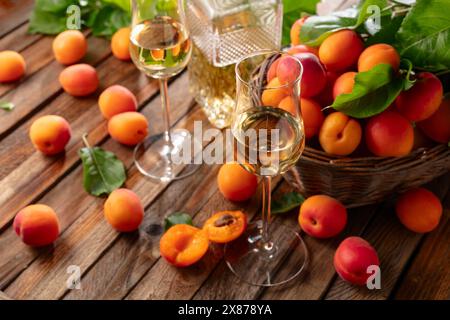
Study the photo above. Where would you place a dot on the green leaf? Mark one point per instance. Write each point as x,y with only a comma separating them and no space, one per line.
292,11
406,69
106,21
123,4
286,203
103,172
389,28
54,5
424,36
373,92
46,22
8,106
177,218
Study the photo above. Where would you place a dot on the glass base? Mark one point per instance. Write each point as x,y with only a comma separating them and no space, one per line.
267,264
152,157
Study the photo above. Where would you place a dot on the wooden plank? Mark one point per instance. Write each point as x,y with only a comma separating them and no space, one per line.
84,241
18,39
3,296
13,13
394,244
68,197
36,90
25,173
429,275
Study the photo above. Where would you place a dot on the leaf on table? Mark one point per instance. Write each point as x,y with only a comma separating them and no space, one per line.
177,218
373,92
103,172
286,203
424,35
8,106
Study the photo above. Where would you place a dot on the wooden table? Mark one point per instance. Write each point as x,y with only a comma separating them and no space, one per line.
128,266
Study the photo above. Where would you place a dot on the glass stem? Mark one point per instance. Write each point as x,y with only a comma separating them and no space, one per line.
267,191
165,110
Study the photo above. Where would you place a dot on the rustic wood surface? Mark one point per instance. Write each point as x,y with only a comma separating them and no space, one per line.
128,266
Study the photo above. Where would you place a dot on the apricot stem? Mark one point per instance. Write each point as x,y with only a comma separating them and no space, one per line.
85,141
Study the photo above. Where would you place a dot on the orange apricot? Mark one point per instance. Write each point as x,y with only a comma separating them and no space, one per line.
116,99
235,183
295,31
376,54
79,80
344,84
274,93
12,66
37,225
389,134
419,210
437,127
289,104
120,43
128,128
225,226
340,134
69,46
341,50
123,210
50,134
312,117
288,70
183,245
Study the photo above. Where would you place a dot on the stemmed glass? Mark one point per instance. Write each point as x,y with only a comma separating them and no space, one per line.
269,138
160,47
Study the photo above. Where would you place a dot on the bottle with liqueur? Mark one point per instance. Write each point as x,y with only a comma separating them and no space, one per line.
223,31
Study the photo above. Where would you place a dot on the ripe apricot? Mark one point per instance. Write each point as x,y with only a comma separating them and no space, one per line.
225,226
389,134
128,128
340,134
79,80
419,210
302,48
341,50
183,245
235,183
437,127
69,46
295,31
50,134
116,99
289,104
344,84
37,225
272,73
376,54
312,117
120,43
274,93
12,66
325,97
423,99
288,70
123,210
314,77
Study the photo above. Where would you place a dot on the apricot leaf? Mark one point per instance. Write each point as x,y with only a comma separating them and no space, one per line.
8,106
103,172
177,218
373,92
286,203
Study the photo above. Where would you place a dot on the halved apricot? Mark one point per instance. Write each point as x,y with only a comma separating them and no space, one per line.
225,226
183,245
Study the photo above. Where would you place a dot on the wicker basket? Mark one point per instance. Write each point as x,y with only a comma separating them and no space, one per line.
366,180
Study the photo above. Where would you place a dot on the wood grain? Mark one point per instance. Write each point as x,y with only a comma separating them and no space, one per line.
3,296
13,13
18,39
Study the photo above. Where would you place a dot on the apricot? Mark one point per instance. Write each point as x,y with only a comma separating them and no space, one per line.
69,46
312,117
437,127
325,97
340,134
295,31
79,80
322,216
288,70
352,259
341,50
274,93
116,99
183,245
289,104
123,210
12,66
120,43
422,100
376,54
272,72
302,48
344,84
128,128
235,183
50,134
225,226
419,210
389,134
314,77
37,225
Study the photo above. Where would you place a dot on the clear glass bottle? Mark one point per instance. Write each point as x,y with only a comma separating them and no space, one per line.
223,31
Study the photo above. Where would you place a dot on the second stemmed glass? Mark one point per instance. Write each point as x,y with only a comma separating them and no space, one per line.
160,47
